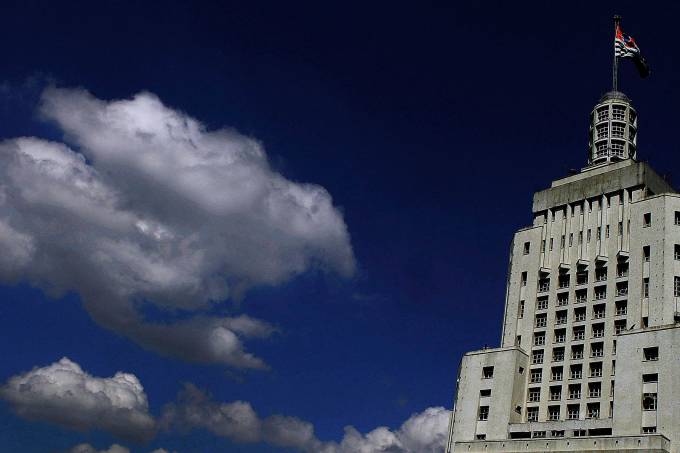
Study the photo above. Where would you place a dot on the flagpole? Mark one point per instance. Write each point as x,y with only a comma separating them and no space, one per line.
615,66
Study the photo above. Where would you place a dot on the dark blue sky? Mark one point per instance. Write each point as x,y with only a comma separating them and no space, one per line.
430,124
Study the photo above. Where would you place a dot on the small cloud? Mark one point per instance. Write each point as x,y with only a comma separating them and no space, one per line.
65,395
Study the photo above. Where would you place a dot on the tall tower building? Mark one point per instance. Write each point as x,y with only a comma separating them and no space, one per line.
590,352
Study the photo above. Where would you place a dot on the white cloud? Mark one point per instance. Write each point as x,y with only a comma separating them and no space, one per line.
87,448
147,205
64,394
115,448
424,432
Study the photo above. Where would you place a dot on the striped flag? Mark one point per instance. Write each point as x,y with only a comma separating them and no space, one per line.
626,47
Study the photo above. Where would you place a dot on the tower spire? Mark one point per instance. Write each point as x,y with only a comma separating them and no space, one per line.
615,65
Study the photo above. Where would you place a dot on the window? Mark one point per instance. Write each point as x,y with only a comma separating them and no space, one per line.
646,253
622,270
542,303
600,293
598,330
618,130
580,237
551,244
614,347
618,112
543,284
534,394
647,220
650,377
518,340
606,231
556,433
651,354
613,367
536,376
562,242
599,311
556,373
676,286
576,371
599,233
537,434
603,114
580,433
527,247
487,372
620,228
588,234
645,322
521,309
574,391
579,333
649,401
543,246
621,289
597,349
601,274
579,314
577,352
521,370
594,390
562,299
483,413
541,320
560,335
558,354
677,217
480,436
676,252
596,369
537,357
561,317
621,308
555,393
572,412
553,412
645,287
602,131
582,294
532,414
648,429
619,326
524,279
593,410
571,239
611,390
539,339
563,281
484,393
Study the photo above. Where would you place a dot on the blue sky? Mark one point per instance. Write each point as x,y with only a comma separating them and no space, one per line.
363,263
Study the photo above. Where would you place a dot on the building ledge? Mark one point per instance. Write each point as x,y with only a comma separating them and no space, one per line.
648,443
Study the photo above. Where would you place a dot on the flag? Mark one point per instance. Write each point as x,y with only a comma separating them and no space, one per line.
625,47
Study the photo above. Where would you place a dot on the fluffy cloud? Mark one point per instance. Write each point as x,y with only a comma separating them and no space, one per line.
424,432
144,205
64,394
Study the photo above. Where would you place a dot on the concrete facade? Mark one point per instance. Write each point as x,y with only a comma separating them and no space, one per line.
592,316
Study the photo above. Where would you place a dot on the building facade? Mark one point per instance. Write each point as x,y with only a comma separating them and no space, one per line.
590,352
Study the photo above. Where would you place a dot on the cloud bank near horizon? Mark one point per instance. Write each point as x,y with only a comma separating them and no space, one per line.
65,395
142,204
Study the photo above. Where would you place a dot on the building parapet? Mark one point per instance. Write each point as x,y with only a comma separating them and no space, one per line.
650,443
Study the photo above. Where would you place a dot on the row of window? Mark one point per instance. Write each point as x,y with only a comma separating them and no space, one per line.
574,392
599,311
564,279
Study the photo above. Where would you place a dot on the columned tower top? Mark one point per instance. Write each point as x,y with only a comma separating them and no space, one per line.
613,130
